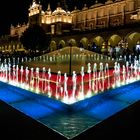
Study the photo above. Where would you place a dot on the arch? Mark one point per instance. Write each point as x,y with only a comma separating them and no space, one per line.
91,26
84,43
72,42
98,40
132,39
114,40
53,45
61,44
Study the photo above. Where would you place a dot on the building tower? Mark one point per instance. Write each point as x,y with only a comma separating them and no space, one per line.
35,13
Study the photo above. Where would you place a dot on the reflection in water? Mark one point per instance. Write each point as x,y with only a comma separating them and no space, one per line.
69,125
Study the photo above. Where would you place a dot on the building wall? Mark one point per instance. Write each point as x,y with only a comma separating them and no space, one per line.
104,15
110,14
96,16
18,30
11,47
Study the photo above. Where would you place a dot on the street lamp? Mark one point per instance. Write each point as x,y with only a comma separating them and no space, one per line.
70,59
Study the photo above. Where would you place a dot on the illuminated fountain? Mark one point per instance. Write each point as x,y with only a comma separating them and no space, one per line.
90,80
73,89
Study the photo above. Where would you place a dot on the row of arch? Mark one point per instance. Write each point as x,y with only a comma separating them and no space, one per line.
131,39
12,47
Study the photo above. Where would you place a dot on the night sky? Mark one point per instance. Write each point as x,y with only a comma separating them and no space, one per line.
16,11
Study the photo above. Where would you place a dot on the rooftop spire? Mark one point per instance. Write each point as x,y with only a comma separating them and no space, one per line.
96,1
49,7
34,1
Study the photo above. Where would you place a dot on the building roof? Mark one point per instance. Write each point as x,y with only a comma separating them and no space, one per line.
59,11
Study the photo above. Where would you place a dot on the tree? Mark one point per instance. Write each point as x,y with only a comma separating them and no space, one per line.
35,39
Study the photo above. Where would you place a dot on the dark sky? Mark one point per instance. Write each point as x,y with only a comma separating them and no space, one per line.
16,11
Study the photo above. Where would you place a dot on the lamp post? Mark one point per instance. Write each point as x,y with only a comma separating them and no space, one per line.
70,60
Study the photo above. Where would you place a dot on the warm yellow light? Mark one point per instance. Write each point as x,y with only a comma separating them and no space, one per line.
69,21
42,21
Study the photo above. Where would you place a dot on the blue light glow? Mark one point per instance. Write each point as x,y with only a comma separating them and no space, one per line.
65,118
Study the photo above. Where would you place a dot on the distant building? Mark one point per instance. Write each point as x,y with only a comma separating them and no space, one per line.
98,15
88,27
55,22
18,30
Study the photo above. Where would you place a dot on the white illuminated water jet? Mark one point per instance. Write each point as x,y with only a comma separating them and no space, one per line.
136,69
14,73
89,92
18,60
124,75
92,82
27,79
14,61
21,75
65,96
95,80
17,71
48,86
58,85
101,77
9,72
81,92
130,58
107,75
5,73
74,77
127,72
31,86
43,79
116,75
37,80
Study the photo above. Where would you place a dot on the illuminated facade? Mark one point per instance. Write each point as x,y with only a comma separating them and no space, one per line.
119,13
111,13
55,22
98,15
18,30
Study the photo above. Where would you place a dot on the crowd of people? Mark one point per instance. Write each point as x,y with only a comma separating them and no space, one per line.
117,51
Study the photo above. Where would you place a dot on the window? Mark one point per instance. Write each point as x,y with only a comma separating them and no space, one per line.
89,15
100,13
111,10
79,17
116,9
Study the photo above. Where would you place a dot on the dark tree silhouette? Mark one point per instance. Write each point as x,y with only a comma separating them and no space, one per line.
35,39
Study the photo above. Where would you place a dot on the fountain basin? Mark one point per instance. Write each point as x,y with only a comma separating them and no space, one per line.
59,106
63,118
